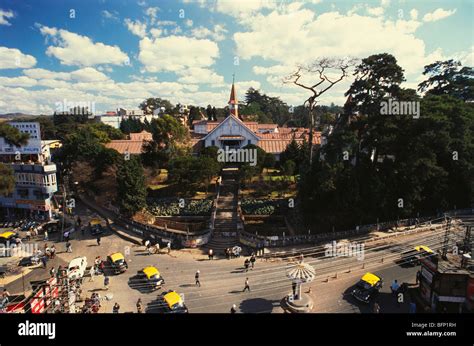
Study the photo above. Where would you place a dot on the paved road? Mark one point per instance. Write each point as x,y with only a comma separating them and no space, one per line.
223,280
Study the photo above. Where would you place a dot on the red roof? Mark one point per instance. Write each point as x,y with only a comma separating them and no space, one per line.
124,146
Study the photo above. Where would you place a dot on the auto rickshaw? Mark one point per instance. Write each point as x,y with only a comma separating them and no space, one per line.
95,227
7,236
368,286
117,262
412,256
173,303
151,278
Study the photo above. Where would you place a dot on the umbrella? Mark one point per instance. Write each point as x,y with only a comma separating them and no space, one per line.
300,273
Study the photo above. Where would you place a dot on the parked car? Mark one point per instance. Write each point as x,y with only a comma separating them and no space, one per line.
150,277
29,261
368,286
77,268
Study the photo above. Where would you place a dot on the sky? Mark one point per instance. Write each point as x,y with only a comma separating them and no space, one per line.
116,53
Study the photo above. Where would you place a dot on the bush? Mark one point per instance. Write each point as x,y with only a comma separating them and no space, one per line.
191,208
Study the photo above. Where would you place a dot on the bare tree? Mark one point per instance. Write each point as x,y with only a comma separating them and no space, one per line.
321,68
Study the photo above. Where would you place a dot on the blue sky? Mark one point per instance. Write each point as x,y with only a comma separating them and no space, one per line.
115,53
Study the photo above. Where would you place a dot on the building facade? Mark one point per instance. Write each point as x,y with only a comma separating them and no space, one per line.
35,175
235,133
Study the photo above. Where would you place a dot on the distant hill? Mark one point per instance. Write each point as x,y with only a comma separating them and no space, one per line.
13,116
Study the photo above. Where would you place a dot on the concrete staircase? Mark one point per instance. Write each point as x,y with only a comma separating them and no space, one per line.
226,220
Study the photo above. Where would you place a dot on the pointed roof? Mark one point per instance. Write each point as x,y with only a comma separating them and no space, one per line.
238,121
233,95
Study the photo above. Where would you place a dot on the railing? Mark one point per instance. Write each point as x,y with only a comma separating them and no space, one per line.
254,240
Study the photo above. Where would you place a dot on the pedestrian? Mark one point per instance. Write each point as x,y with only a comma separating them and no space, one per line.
227,253
233,309
376,308
53,251
169,247
247,286
98,241
139,306
52,272
211,254
252,260
198,283
44,260
418,277
68,247
116,308
246,264
395,286
106,282
92,273
66,236
28,235
79,221
147,244
46,236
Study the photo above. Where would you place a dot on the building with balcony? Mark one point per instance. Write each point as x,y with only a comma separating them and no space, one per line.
35,175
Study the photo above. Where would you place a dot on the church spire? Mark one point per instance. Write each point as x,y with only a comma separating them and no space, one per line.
233,102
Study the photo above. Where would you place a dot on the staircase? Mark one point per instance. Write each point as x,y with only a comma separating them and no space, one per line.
226,220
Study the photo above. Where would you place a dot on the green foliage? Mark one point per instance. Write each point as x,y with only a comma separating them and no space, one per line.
289,167
189,170
426,162
152,104
7,180
131,188
12,135
257,206
201,207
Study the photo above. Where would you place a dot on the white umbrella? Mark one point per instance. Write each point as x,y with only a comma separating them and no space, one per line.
301,273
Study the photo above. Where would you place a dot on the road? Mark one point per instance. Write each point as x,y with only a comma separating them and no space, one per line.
222,280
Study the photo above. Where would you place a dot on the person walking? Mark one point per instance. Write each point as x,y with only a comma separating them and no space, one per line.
92,274
116,308
52,272
169,247
98,241
28,235
247,285
418,277
233,309
68,247
198,283
106,282
210,254
246,264
46,238
139,306
52,251
394,286
252,260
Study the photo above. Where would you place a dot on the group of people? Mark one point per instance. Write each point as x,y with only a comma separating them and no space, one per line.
233,252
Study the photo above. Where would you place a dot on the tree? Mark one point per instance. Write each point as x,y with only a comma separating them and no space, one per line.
131,188
151,104
322,68
449,78
289,168
12,136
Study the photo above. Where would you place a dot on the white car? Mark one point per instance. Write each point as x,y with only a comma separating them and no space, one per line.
77,268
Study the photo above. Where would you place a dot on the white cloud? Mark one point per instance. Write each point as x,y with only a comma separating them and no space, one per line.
74,49
438,14
414,14
197,75
155,32
175,53
152,12
216,34
189,23
14,58
39,73
241,8
375,11
136,27
5,15
21,81
110,14
88,74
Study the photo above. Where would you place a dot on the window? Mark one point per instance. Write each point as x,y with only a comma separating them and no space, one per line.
249,142
213,142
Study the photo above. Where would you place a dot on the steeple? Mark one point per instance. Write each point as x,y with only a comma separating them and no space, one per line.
233,103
